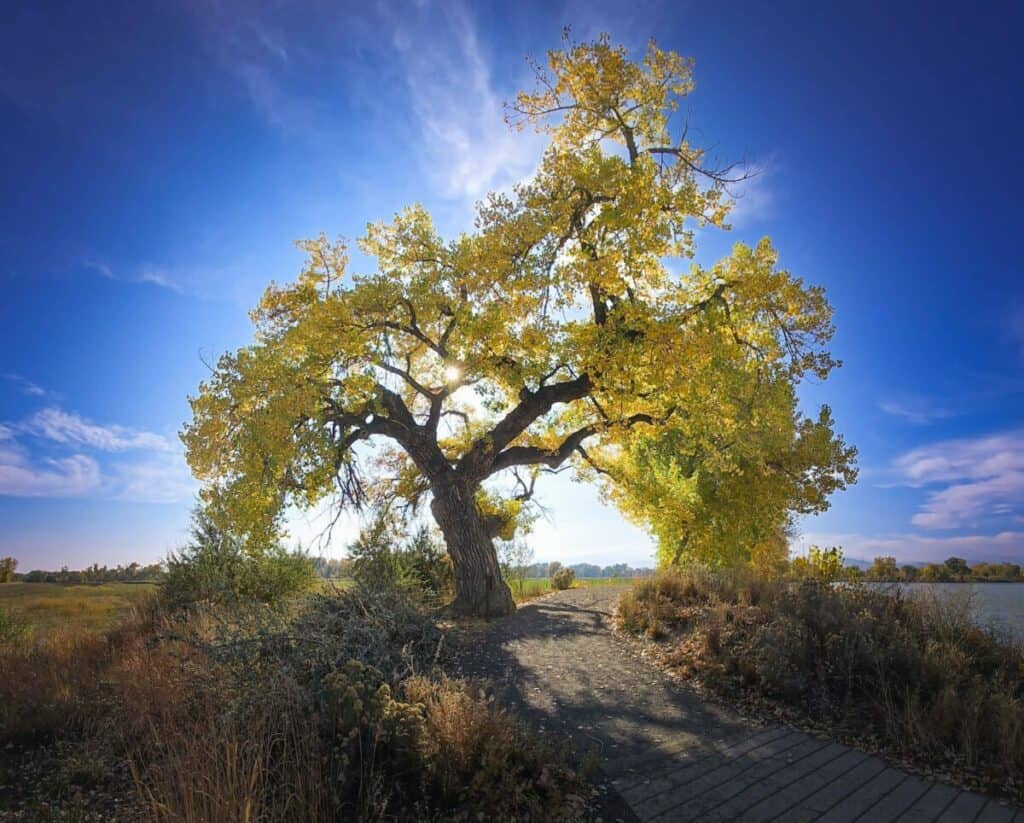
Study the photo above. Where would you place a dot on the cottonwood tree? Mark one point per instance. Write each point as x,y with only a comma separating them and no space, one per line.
564,324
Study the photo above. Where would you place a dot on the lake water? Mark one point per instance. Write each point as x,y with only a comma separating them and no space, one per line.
1001,604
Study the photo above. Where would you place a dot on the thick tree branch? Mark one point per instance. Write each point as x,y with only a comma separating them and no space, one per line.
534,455
476,463
553,458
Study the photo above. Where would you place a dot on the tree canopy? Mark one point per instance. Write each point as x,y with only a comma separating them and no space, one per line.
566,329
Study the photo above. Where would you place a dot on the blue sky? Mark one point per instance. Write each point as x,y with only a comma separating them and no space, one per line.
160,158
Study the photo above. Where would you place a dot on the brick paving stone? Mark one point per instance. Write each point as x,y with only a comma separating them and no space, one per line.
931,804
714,771
708,789
831,762
823,799
761,785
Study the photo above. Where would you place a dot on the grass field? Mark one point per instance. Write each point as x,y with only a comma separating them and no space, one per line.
51,606
536,586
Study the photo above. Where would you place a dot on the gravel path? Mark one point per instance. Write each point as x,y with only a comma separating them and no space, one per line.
670,755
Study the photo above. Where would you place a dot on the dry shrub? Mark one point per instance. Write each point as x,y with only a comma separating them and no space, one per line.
200,755
479,757
563,579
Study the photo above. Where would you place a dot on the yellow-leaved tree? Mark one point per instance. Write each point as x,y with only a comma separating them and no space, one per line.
563,317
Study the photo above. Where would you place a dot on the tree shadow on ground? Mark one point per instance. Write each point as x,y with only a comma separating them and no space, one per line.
557,663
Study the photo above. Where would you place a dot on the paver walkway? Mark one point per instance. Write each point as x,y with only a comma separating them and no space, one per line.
674,757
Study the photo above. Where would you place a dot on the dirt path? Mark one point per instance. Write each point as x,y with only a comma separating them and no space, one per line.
672,756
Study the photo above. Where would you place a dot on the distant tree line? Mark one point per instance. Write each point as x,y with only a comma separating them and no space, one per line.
953,570
587,570
332,568
327,567
131,573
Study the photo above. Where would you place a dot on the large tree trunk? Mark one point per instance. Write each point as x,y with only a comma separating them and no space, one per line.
479,587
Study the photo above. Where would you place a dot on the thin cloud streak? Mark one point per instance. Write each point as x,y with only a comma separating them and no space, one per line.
73,476
753,199
162,478
918,410
467,147
981,478
26,385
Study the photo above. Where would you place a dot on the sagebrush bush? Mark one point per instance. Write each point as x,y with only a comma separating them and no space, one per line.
916,671
563,579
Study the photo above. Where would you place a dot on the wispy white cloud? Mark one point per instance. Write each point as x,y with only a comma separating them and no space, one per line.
980,478
26,385
55,453
102,269
73,476
250,42
66,427
426,58
159,478
753,197
162,277
199,281
916,409
467,148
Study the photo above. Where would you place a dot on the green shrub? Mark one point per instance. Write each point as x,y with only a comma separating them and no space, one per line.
215,568
425,565
419,565
563,579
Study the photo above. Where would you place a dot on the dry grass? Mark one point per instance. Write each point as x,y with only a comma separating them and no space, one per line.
532,587
88,608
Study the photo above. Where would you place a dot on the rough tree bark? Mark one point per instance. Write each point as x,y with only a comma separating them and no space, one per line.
479,587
